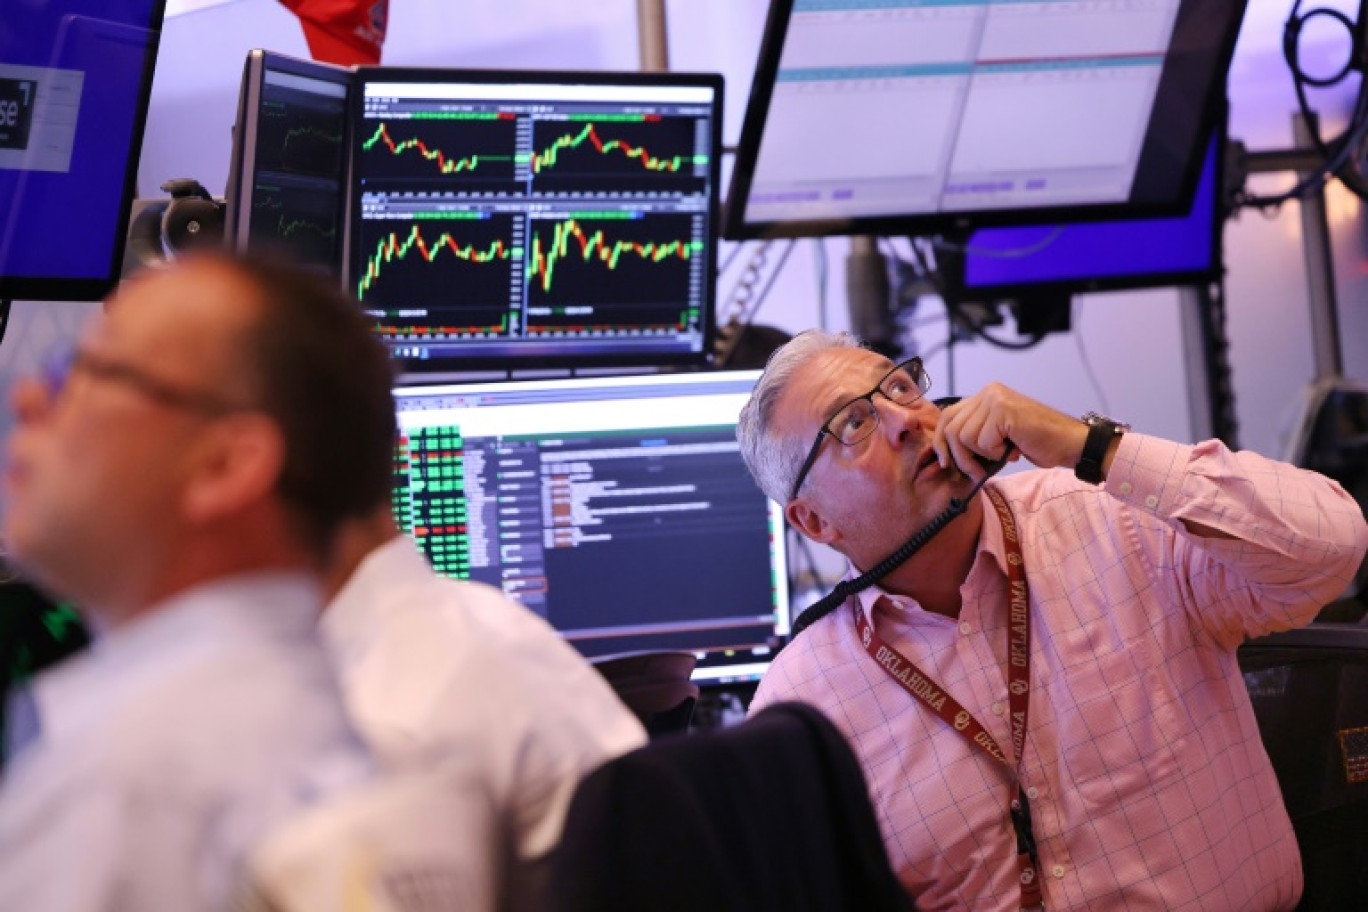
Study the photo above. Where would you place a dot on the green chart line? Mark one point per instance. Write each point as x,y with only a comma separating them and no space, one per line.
391,247
547,159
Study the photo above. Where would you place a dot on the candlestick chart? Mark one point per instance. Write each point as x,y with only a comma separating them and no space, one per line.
449,153
435,278
590,273
621,153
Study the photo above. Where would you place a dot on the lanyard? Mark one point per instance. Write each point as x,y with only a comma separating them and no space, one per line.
915,682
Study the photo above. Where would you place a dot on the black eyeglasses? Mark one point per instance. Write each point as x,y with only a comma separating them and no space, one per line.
58,369
857,419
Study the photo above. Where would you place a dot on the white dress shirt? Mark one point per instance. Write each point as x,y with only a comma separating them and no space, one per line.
165,752
439,670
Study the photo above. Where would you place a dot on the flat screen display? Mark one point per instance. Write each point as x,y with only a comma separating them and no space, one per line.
1098,256
919,116
617,508
75,76
534,219
287,181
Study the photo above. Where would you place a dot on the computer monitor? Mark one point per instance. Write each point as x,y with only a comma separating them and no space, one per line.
931,116
75,76
287,180
535,219
1000,263
617,508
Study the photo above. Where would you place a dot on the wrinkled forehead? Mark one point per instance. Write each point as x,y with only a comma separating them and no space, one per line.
825,382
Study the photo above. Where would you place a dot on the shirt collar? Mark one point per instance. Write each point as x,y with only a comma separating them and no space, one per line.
354,617
990,547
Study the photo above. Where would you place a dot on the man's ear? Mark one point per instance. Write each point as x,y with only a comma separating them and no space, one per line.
239,463
809,521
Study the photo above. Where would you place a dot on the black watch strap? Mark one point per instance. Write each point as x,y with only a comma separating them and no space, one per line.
1101,430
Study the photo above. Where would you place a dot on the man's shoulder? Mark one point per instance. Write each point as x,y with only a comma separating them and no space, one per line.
816,666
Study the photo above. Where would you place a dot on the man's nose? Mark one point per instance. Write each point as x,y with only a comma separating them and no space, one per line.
30,400
901,422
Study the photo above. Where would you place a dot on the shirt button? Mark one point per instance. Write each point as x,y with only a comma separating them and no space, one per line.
1033,793
1126,487
1058,871
966,628
997,709
1151,501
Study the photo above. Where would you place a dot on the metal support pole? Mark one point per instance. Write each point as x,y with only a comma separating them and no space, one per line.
652,36
1320,272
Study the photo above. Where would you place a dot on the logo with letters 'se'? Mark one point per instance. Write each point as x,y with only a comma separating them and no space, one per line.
16,112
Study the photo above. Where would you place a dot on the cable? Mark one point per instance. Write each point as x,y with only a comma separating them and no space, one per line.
1338,152
731,257
1292,29
961,318
821,264
1083,356
846,588
995,253
769,283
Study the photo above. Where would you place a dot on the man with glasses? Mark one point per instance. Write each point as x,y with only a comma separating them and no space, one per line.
180,478
1045,696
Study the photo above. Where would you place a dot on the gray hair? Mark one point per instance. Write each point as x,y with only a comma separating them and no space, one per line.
773,459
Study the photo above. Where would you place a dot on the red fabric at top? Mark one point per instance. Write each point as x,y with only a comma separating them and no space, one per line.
345,32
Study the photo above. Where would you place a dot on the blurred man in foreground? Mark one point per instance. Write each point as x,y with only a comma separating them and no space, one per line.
450,672
179,477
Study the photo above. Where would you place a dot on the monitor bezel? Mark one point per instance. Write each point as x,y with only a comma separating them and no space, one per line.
52,288
958,288
419,368
736,227
241,183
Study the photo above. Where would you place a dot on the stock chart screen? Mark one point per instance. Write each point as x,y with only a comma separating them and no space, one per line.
535,219
292,155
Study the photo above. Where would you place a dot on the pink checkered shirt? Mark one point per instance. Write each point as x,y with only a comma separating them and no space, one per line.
1149,786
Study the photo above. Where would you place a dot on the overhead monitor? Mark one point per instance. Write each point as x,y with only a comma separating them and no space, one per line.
929,116
535,219
287,179
75,76
1000,263
617,508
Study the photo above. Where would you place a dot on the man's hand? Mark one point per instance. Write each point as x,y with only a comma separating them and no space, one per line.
981,425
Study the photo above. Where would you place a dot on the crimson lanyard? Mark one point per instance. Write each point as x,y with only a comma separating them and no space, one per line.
920,686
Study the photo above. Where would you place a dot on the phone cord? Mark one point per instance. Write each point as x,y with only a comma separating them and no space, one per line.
846,588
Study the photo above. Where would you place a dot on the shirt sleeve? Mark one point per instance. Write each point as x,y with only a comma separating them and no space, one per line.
1297,537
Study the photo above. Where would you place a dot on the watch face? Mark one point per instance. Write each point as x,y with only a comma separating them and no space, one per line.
1093,419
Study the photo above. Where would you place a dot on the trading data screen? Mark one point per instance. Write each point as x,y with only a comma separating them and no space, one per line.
293,159
618,509
534,220
938,110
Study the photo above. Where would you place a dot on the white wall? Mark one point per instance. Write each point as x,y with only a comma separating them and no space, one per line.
1133,341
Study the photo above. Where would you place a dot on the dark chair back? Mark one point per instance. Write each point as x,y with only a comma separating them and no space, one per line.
655,686
772,814
1309,688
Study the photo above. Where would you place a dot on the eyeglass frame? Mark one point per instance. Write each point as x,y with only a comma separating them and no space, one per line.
56,372
825,430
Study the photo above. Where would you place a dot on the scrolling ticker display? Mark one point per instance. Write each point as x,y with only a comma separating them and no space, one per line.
550,223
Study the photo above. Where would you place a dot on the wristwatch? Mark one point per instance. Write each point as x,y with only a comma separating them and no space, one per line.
1101,430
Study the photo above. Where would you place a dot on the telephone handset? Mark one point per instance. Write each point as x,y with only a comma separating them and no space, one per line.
846,588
